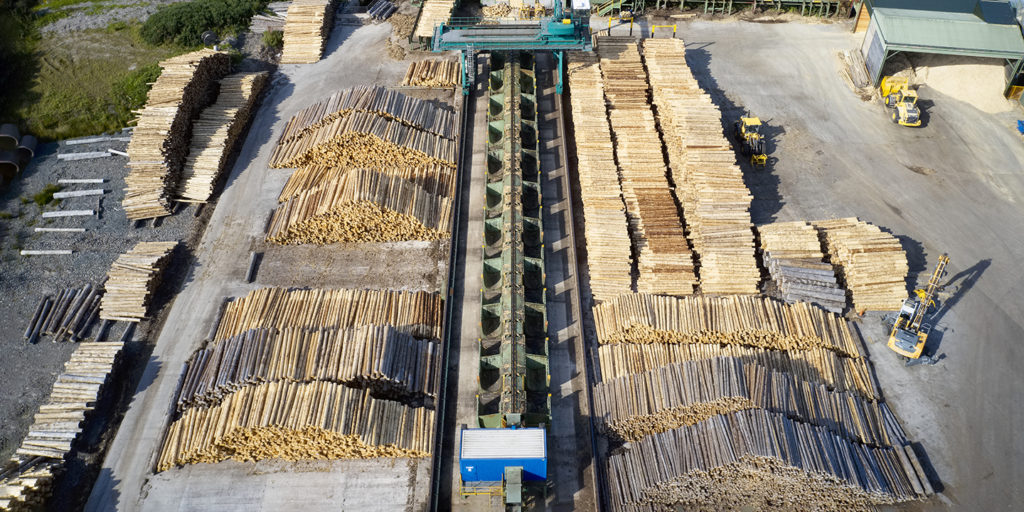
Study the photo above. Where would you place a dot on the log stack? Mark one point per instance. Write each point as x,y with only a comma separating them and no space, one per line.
415,313
605,227
435,179
361,206
870,262
297,421
792,253
432,14
66,317
763,461
306,28
216,132
703,167
433,73
132,280
664,261
159,143
26,479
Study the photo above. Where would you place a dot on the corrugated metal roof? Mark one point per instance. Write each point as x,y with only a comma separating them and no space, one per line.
503,443
948,32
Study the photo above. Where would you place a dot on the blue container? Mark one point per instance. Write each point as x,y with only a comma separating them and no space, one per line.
484,453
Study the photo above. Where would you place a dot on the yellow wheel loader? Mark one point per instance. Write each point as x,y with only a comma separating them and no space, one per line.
748,134
899,97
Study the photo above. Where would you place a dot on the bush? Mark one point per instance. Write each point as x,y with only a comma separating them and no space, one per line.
184,23
273,39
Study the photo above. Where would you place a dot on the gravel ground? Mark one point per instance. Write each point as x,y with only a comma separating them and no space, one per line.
113,10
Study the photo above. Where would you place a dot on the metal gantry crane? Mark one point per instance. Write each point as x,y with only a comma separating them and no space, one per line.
909,331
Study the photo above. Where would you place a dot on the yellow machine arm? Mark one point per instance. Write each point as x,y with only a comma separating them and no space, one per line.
929,293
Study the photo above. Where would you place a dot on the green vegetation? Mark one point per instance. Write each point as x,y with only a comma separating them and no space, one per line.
45,196
8,215
184,23
273,39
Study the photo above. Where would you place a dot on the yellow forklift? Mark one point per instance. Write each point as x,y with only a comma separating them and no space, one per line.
909,332
748,134
899,97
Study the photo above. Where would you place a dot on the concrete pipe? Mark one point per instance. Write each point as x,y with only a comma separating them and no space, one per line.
26,150
9,166
9,136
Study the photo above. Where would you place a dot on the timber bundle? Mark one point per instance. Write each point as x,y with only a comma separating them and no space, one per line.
835,372
433,73
297,421
216,132
306,27
792,253
605,227
436,179
740,320
363,139
683,394
762,460
432,14
379,358
710,185
415,313
159,143
386,103
67,317
361,206
870,262
664,260
25,481
132,280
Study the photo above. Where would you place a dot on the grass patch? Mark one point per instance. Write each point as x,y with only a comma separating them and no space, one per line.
45,196
273,39
8,215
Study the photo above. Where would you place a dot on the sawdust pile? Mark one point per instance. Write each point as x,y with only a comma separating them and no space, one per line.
978,82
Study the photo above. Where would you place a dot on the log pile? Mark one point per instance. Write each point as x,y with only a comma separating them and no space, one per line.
605,227
432,14
132,280
159,143
216,132
389,363
733,320
363,139
306,27
436,179
681,394
67,317
835,372
361,206
26,479
664,260
433,73
792,253
870,262
415,313
703,166
297,421
763,461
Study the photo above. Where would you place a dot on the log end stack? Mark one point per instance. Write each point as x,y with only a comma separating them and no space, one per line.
870,262
306,28
433,73
132,280
792,253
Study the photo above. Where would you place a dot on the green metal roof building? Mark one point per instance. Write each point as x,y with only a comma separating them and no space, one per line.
974,28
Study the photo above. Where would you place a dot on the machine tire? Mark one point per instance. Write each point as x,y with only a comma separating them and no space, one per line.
895,117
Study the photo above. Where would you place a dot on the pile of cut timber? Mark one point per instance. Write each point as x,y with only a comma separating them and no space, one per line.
664,260
132,279
386,103
760,460
733,320
835,372
432,14
361,206
297,421
216,132
67,317
363,139
415,313
26,479
703,166
680,394
159,143
870,262
389,363
792,253
605,227
306,27
436,179
433,73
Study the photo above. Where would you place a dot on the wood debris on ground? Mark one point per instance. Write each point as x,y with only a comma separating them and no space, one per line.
133,279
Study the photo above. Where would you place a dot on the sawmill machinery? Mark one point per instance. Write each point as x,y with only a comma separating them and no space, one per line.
909,331
566,29
902,100
752,144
